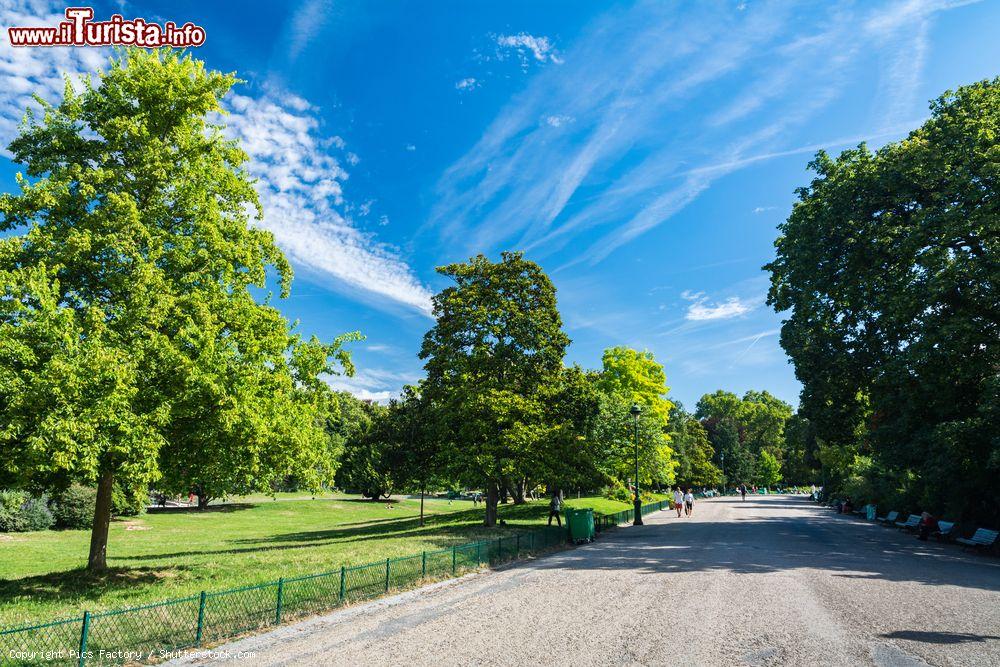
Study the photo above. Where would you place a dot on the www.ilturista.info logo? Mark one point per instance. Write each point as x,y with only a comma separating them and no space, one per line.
80,30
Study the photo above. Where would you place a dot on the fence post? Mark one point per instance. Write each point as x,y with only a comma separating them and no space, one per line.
281,596
84,632
386,575
201,619
499,549
479,552
454,560
517,546
342,580
423,566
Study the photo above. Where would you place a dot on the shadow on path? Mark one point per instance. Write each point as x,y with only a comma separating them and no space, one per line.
809,537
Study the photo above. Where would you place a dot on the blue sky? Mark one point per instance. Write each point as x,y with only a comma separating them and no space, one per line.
642,153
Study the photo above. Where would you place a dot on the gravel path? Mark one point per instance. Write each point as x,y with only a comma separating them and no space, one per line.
769,581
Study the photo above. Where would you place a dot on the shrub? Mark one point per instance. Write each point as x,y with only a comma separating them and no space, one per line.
128,502
20,512
11,517
36,513
618,491
75,507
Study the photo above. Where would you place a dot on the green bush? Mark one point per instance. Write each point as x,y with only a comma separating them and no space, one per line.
11,517
128,502
36,513
20,512
618,491
74,508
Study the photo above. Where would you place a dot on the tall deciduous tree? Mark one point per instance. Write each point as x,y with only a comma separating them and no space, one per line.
129,337
888,267
494,353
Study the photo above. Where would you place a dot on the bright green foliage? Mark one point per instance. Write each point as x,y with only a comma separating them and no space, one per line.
888,266
638,377
768,469
130,343
615,432
492,358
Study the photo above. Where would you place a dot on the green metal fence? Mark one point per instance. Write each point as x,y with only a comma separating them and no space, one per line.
154,631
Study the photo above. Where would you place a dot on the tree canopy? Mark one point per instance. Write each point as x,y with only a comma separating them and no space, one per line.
132,343
889,270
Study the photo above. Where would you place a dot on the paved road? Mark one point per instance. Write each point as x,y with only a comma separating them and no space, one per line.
769,581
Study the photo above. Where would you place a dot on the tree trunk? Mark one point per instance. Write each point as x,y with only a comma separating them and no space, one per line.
421,506
518,491
492,496
504,493
203,499
98,559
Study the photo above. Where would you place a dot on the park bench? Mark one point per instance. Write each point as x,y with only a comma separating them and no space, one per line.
888,518
945,530
912,522
981,539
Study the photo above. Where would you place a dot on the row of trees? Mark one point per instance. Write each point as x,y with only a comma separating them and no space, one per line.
500,411
889,269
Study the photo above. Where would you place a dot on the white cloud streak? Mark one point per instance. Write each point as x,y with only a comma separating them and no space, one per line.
629,82
300,176
702,310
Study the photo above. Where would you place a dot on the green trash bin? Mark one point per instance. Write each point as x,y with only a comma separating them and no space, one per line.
581,524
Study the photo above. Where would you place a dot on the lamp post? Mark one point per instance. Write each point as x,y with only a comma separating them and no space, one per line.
722,455
635,410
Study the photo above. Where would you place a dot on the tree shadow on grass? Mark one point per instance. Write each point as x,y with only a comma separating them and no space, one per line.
221,508
75,585
440,530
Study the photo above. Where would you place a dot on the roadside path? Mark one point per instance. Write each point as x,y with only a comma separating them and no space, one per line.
774,580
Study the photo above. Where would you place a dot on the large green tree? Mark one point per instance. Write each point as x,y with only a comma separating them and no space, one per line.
889,270
492,357
130,339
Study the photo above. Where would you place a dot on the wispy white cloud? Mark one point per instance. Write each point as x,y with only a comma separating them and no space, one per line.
628,82
468,83
702,309
300,183
373,384
523,44
306,23
299,169
558,120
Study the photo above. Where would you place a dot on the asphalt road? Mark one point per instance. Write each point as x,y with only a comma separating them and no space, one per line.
769,581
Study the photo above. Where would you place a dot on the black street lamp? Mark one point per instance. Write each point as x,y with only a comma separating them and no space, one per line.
635,411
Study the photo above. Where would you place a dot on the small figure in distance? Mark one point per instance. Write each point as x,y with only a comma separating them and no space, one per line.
688,503
743,491
678,501
555,506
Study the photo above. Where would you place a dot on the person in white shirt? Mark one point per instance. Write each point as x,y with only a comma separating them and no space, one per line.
678,501
688,503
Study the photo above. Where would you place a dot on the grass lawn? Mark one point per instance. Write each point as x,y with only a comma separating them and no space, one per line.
177,553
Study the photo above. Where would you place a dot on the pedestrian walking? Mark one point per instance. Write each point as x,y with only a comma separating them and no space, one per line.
743,491
678,501
688,503
555,506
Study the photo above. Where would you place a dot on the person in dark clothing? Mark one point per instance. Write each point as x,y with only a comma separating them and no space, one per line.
743,491
555,506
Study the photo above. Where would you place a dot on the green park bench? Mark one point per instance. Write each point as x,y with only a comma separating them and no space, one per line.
912,522
981,539
945,530
888,518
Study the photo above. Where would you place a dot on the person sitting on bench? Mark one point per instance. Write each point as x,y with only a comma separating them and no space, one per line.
928,524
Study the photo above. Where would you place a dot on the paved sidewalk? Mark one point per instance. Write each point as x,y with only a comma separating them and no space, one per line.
773,580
